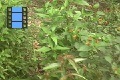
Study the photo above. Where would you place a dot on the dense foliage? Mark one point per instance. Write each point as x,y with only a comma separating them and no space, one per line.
77,40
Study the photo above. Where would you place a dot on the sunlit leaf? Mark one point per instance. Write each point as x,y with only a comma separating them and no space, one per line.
73,64
61,48
79,76
0,5
54,38
52,66
108,58
46,30
96,5
79,59
77,45
43,49
100,13
82,2
84,48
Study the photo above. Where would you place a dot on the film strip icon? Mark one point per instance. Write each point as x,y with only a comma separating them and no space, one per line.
17,17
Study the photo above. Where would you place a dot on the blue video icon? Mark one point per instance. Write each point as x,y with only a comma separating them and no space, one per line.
17,17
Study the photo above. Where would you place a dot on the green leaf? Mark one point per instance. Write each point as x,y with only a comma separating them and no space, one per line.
11,69
79,59
54,38
42,15
114,65
117,40
84,54
73,64
118,71
103,49
96,6
39,9
5,31
53,28
102,44
7,55
77,45
52,66
47,4
84,32
46,30
78,12
43,49
77,15
117,47
81,2
0,5
108,58
79,76
51,43
1,75
83,38
84,48
61,48
66,3
100,13
103,69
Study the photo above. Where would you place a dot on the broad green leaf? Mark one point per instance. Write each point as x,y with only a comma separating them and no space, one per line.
42,15
117,47
114,65
5,31
84,54
84,32
78,12
69,13
39,9
81,2
79,59
53,28
62,8
100,13
103,69
96,5
47,4
102,44
77,16
77,45
51,43
52,66
2,76
83,38
43,49
84,48
117,39
54,38
108,58
7,55
40,77
73,64
103,49
61,48
11,69
66,3
118,71
46,30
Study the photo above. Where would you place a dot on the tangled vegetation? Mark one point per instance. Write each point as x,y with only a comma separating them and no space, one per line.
65,40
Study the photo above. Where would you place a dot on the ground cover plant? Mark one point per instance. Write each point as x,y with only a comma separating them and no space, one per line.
76,40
